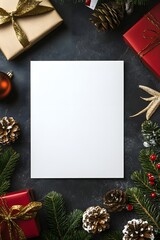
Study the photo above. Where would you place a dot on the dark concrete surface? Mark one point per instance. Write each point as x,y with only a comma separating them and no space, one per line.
75,40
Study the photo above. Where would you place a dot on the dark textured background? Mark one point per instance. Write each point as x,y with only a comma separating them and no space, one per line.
75,40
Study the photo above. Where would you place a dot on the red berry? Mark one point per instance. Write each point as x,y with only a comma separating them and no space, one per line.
153,157
153,195
151,178
129,207
149,174
88,2
151,183
158,165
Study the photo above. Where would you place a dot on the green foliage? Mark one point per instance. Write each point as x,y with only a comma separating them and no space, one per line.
63,226
143,206
151,133
136,2
117,235
8,161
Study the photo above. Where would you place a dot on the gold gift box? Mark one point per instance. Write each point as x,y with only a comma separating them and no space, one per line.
35,27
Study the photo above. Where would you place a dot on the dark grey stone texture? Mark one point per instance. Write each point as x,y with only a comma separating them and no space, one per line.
75,40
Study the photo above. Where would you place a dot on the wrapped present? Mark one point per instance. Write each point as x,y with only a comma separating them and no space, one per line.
144,38
18,216
23,23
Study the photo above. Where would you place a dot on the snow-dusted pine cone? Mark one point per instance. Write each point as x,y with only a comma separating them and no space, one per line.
115,200
9,130
137,229
95,219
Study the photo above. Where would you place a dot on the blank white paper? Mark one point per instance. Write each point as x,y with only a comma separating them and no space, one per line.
77,119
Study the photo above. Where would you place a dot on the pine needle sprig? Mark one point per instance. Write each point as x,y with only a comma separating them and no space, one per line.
63,226
144,208
144,158
8,161
117,235
141,181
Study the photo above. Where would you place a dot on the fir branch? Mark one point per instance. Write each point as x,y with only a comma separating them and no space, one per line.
144,158
8,161
61,225
117,235
141,181
144,208
56,214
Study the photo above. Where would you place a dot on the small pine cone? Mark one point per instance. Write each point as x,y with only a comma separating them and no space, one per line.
115,200
137,229
95,220
108,16
9,130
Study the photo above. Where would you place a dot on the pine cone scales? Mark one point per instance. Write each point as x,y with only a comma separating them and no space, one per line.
138,229
95,219
107,16
9,130
115,200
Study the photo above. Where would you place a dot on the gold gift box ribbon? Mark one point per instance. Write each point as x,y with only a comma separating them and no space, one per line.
17,212
154,36
25,8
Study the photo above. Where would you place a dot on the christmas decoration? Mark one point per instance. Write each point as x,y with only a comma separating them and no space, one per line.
18,212
108,16
158,165
62,225
151,134
8,162
21,34
138,229
153,157
129,207
153,195
143,37
9,130
115,200
154,102
5,84
95,219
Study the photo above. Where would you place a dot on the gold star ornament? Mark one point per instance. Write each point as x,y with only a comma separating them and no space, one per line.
154,102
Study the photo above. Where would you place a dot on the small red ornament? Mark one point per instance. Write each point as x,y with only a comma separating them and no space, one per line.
149,174
151,183
88,2
5,84
153,157
158,165
129,207
153,195
151,178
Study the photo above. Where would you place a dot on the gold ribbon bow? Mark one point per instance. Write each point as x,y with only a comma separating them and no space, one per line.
24,8
152,34
17,212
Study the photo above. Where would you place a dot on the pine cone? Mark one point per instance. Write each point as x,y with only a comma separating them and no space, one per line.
9,130
107,16
115,200
137,229
95,219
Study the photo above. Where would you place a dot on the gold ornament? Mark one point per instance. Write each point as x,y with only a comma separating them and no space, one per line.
107,16
95,220
137,229
154,102
24,8
9,130
17,212
115,200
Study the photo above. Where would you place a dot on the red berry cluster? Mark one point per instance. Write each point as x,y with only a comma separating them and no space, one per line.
151,178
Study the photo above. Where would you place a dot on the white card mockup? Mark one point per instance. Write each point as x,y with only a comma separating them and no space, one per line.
77,123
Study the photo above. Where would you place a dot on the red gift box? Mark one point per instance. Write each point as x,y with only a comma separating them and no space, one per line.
29,227
144,38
